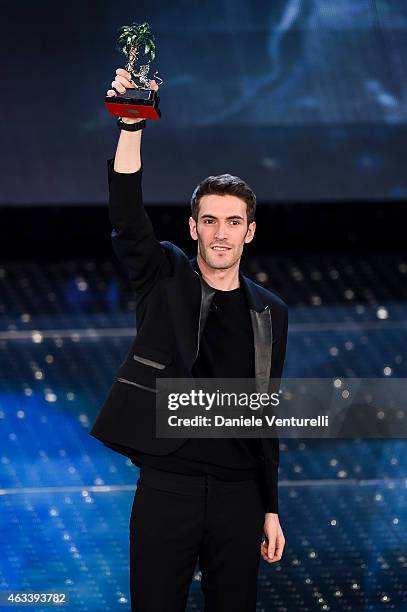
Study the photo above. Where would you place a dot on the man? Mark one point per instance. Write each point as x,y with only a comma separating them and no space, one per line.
197,499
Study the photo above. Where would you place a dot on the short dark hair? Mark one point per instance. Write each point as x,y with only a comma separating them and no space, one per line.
224,184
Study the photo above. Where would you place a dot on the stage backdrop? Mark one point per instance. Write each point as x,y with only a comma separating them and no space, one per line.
304,99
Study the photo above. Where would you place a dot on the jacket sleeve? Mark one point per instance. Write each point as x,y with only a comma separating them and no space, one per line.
271,445
133,238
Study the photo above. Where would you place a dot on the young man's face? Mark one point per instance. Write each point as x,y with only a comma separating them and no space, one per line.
221,230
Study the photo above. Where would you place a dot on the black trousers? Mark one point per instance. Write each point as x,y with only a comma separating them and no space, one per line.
178,519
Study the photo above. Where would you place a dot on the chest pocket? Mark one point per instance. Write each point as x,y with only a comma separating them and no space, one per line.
152,357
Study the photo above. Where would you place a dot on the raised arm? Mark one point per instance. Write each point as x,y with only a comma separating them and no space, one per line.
133,237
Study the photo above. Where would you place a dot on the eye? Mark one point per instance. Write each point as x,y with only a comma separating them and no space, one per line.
235,222
207,221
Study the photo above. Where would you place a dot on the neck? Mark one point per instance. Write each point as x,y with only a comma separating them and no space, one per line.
225,280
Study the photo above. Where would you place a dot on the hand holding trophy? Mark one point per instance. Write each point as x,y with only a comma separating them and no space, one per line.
136,95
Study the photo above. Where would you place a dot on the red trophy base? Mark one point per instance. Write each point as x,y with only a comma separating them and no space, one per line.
134,103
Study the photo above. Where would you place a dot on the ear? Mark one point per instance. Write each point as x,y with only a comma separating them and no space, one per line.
250,232
192,228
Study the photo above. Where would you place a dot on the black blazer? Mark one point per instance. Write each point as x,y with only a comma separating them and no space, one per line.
172,303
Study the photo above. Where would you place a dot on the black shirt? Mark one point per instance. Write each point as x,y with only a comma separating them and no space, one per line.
226,351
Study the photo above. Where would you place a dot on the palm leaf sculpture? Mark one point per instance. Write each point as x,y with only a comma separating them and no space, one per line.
131,39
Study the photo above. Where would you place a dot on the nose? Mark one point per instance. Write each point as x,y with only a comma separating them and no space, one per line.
220,233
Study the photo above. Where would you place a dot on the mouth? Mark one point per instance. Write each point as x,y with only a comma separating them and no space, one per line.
220,249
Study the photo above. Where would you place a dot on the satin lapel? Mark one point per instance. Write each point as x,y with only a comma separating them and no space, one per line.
262,335
189,305
207,294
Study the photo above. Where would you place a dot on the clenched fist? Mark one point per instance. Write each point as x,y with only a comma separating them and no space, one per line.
123,81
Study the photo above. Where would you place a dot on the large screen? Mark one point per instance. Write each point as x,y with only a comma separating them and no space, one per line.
304,99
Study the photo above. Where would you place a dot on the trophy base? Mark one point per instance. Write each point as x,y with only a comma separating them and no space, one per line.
134,103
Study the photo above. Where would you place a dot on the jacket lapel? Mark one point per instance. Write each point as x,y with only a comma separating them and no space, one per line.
207,293
262,334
